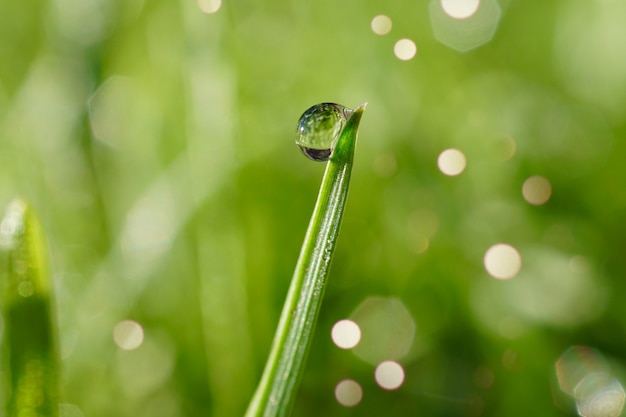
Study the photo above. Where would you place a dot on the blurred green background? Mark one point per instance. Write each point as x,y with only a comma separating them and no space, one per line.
155,140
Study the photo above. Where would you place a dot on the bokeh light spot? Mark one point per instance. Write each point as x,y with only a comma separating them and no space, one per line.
389,375
387,327
576,363
451,162
463,25
348,393
460,9
537,190
346,334
584,374
128,335
405,49
209,6
381,24
599,395
502,261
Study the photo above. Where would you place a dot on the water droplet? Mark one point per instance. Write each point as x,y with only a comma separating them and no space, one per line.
319,128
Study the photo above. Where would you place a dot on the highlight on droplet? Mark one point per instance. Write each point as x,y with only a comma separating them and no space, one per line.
348,393
460,9
381,24
346,334
537,190
128,335
451,162
389,375
210,6
405,49
502,261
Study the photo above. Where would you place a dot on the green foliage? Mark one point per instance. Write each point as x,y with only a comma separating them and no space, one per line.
156,143
30,352
283,371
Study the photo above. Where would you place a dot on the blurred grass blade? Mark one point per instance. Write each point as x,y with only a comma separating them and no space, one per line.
283,370
30,354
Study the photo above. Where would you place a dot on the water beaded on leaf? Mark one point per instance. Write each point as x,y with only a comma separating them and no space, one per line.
319,128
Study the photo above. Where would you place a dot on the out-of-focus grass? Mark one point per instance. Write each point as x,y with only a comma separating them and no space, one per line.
156,142
30,352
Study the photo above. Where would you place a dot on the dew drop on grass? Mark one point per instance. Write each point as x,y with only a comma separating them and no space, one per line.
319,128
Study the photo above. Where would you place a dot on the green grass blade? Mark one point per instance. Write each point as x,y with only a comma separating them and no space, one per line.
30,354
277,389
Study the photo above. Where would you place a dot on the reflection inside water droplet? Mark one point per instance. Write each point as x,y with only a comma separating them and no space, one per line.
319,128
